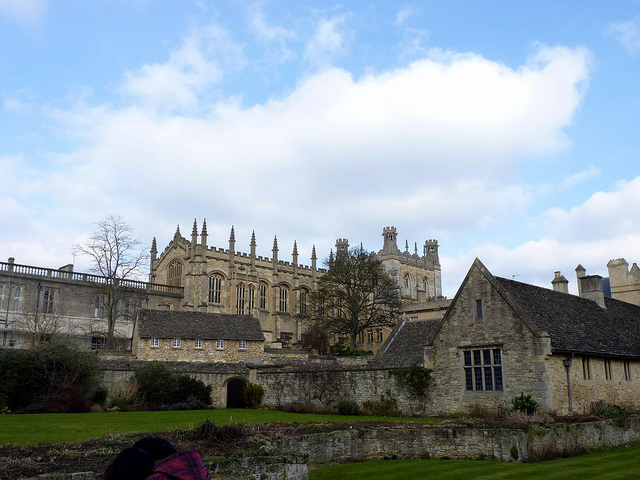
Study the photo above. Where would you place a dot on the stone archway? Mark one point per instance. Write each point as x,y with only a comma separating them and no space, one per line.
234,390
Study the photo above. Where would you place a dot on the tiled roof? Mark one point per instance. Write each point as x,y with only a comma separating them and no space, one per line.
214,326
576,324
406,344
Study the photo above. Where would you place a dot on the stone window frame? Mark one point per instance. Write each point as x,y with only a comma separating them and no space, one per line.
98,306
251,297
586,368
303,301
607,369
263,292
17,296
283,298
174,273
47,301
241,291
177,342
479,310
361,336
219,344
482,369
379,335
155,342
370,336
215,288
242,344
627,370
198,344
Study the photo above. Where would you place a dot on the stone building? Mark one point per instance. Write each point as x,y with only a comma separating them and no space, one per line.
39,303
501,337
624,281
223,280
197,337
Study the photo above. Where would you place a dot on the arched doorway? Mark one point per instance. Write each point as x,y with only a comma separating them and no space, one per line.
234,390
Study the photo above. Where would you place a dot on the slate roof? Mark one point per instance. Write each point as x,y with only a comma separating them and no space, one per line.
576,324
406,344
207,326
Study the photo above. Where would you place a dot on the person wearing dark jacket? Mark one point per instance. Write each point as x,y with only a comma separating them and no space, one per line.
180,466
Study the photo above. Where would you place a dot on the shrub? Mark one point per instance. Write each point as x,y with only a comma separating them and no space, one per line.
159,387
99,396
252,394
208,431
415,379
191,403
348,407
55,377
305,408
387,406
343,350
525,403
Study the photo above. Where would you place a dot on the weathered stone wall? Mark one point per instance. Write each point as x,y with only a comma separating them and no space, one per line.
586,393
209,352
523,354
319,384
365,443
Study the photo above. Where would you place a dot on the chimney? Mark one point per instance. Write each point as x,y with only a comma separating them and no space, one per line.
559,283
591,288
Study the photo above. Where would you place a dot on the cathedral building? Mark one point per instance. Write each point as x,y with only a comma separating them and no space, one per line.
223,280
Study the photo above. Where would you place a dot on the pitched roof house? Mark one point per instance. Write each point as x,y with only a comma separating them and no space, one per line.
501,337
197,337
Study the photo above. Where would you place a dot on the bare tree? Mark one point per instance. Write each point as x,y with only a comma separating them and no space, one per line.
355,294
115,255
44,321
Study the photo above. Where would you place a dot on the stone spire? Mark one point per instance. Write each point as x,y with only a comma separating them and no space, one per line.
406,246
295,259
253,252
232,248
177,235
314,259
274,252
203,235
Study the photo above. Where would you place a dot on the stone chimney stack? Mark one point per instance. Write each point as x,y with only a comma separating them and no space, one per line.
590,286
560,284
580,273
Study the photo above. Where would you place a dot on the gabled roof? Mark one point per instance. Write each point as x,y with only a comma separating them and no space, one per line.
579,325
405,346
209,326
575,324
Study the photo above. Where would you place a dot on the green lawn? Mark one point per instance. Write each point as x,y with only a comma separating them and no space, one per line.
622,463
73,427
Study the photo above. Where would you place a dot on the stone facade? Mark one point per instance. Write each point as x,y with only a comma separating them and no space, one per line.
223,280
624,281
500,338
37,303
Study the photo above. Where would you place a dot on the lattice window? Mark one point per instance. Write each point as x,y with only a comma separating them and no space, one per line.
283,298
174,273
240,299
483,370
47,303
215,289
263,295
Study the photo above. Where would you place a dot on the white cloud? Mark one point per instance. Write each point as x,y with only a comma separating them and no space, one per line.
197,64
263,31
327,41
405,14
26,12
627,33
424,147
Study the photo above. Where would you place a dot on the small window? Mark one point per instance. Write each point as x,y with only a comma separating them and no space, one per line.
220,345
586,368
262,290
627,370
198,343
155,342
242,345
479,309
284,295
379,335
607,369
98,310
369,336
16,302
98,343
177,343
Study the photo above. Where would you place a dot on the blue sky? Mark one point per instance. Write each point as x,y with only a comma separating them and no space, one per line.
508,130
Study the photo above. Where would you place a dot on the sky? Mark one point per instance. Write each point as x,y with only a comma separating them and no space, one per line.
507,130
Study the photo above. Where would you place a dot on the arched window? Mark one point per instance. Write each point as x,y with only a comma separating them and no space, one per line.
284,296
425,284
303,301
215,289
174,273
263,295
251,298
240,298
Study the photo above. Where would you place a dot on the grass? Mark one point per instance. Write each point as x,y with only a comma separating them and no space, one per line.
621,463
32,429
